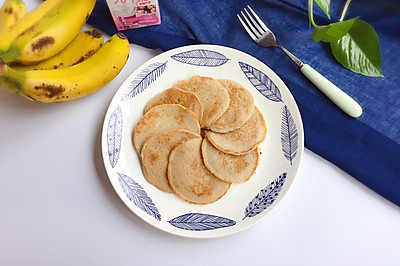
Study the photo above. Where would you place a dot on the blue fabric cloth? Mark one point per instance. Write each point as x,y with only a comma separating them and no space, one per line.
368,148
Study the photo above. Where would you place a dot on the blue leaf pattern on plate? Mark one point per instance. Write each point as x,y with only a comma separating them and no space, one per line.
138,196
114,136
261,82
265,197
201,57
289,135
201,222
146,77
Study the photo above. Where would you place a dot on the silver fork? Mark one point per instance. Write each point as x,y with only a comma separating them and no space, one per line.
264,37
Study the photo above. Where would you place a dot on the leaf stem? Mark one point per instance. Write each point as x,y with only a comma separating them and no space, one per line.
310,12
345,8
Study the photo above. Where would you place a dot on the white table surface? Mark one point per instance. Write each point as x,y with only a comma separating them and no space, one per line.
57,206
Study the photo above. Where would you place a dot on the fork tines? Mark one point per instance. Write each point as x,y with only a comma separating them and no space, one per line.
254,26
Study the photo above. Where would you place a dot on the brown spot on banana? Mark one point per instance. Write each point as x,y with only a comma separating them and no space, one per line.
121,35
84,57
42,43
58,66
50,91
96,33
79,61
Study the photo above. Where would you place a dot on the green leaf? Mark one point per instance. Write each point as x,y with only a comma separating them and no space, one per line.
333,31
325,6
359,50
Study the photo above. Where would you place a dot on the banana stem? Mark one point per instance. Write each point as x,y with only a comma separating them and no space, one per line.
10,79
3,67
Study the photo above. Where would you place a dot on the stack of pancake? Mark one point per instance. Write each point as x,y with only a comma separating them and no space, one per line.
199,137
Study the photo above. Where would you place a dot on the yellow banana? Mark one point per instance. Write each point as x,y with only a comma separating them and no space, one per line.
8,35
72,82
10,12
52,33
85,44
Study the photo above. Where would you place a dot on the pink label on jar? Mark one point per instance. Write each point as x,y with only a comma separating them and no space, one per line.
128,14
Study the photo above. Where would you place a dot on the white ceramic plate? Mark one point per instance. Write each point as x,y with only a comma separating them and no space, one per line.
244,204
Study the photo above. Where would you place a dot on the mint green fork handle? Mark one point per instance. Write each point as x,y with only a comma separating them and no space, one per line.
336,95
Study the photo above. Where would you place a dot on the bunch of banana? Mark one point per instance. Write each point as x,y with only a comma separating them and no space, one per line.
76,81
10,12
44,56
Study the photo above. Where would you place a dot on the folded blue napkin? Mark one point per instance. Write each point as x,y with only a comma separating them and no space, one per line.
368,147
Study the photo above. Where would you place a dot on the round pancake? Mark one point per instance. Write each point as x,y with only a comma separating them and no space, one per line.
228,167
155,153
177,96
189,178
240,107
213,97
162,118
243,139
